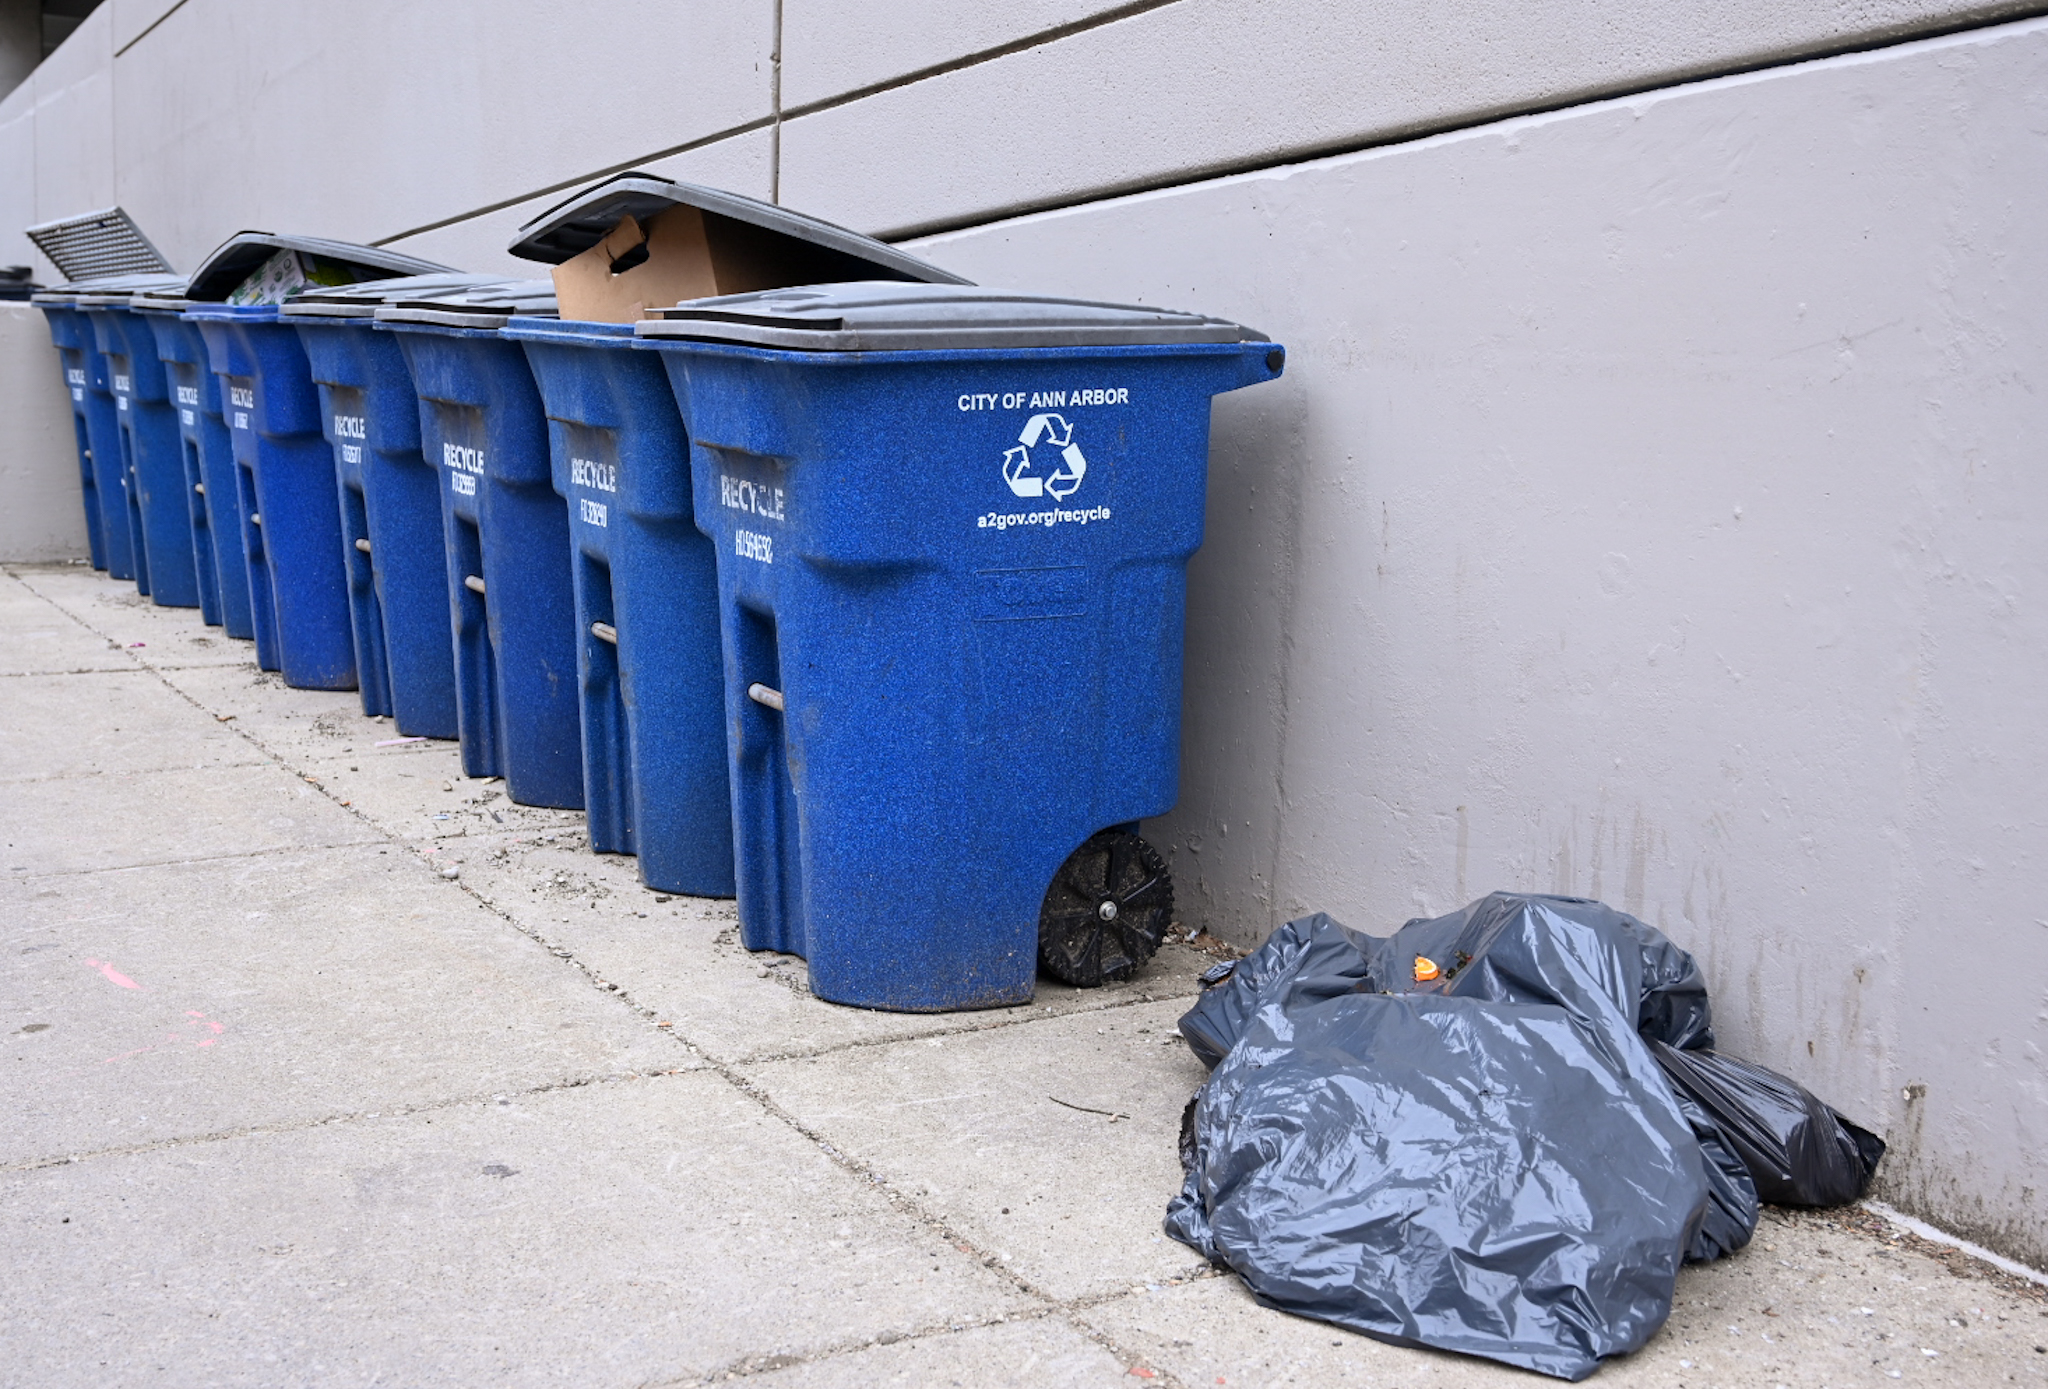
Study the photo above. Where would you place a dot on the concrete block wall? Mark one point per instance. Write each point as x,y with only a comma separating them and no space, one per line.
1650,510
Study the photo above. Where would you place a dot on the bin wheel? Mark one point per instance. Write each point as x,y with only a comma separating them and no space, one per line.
1106,911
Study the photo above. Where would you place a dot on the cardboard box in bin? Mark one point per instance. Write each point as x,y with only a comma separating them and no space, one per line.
636,243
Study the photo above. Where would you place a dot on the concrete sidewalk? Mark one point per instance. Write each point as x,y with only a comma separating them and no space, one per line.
327,1066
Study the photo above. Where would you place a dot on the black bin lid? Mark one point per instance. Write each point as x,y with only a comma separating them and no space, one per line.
109,289
242,254
363,300
491,306
167,298
119,289
833,252
881,316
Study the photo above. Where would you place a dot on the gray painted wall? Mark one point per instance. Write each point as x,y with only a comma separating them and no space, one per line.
372,119
1653,510
43,516
1647,511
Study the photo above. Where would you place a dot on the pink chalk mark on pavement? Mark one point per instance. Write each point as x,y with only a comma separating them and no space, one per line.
114,976
201,1031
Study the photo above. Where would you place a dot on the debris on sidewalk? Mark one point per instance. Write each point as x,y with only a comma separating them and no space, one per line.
1498,1132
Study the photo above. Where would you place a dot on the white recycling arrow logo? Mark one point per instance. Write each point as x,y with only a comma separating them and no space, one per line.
1055,432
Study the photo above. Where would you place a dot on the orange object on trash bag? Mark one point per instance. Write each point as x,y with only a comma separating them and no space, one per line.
1425,969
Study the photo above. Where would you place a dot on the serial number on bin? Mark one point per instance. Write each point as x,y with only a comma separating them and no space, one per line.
753,545
593,513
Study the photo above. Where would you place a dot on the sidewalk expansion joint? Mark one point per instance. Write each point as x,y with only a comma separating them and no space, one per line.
395,1111
88,773
136,669
747,1367
24,876
896,1198
994,1024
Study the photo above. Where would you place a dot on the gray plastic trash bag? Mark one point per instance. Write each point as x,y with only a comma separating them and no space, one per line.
1491,1162
1798,1151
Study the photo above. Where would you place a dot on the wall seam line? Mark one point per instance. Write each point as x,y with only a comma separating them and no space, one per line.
1988,17
580,180
775,108
773,121
151,29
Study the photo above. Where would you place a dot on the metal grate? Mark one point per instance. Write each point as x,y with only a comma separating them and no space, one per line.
95,245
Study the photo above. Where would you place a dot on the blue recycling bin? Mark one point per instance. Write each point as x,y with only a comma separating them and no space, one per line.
209,462
291,526
390,501
152,450
96,429
646,607
507,539
291,535
952,530
643,576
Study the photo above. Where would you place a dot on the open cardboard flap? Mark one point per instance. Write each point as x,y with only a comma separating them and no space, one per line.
683,253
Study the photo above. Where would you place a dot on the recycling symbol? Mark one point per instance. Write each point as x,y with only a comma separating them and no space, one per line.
1054,432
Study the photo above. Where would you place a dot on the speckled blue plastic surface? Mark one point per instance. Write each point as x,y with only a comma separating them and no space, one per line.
969,692
160,518
209,465
343,421
391,499
515,644
291,527
654,759
99,443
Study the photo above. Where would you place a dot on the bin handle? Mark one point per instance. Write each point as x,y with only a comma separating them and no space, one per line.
761,694
605,632
200,488
255,518
473,584
363,545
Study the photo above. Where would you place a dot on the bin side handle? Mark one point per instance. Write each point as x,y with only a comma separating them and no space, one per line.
761,694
